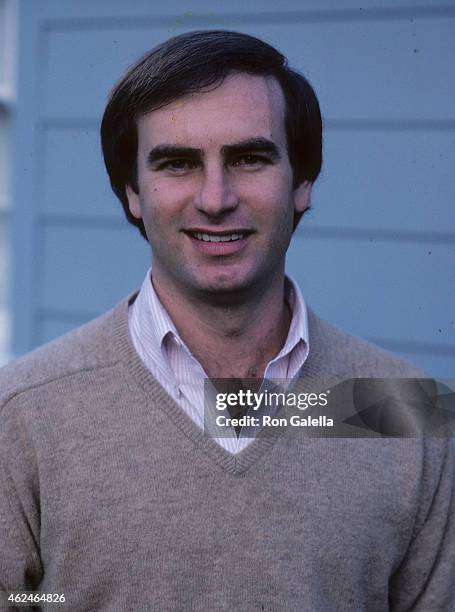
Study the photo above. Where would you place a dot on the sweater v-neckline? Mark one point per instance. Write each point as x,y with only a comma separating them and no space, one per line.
232,463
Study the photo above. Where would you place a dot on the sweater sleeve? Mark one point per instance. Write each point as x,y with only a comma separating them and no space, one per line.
425,579
20,564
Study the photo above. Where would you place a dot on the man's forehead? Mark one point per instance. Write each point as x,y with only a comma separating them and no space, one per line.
241,99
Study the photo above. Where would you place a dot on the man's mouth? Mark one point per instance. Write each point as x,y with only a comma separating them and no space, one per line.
219,243
217,237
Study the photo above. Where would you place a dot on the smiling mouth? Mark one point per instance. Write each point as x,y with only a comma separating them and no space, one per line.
200,234
217,237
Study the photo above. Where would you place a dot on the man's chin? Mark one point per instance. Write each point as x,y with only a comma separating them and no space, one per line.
225,289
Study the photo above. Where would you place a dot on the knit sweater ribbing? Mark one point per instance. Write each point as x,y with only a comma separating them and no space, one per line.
110,494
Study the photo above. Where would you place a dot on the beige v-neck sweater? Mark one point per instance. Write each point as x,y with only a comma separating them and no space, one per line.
112,496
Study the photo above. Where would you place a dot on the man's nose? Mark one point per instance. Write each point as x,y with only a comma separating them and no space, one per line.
217,194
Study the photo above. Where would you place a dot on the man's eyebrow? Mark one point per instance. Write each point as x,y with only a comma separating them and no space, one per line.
165,151
252,145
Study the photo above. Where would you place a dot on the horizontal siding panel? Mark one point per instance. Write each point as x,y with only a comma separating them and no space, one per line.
48,328
396,181
74,178
89,269
78,85
400,291
437,366
187,10
403,71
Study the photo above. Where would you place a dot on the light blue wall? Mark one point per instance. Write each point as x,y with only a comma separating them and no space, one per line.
376,254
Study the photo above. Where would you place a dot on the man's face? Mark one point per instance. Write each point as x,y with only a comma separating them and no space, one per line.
216,188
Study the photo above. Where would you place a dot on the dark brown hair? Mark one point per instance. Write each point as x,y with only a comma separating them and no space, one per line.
189,63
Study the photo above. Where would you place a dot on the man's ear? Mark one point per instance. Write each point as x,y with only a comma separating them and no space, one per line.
302,197
133,202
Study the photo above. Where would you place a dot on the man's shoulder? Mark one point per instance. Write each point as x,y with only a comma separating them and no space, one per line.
348,356
87,347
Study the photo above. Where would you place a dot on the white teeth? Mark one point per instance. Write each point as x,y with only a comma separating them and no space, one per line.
213,238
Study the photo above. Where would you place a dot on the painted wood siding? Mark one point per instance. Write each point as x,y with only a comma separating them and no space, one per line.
376,253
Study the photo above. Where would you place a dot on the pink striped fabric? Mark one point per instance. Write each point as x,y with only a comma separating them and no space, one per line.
169,360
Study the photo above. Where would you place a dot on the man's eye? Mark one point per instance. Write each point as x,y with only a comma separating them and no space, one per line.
178,165
249,161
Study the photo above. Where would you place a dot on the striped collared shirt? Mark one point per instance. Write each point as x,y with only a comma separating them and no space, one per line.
170,361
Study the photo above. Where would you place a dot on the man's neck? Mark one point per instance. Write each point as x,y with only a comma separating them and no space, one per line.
230,341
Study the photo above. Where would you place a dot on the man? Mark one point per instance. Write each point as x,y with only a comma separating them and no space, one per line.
113,494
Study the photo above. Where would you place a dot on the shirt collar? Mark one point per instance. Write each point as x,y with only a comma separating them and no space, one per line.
298,329
150,320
